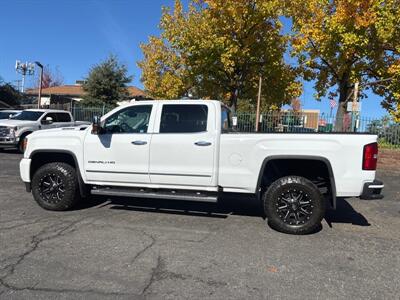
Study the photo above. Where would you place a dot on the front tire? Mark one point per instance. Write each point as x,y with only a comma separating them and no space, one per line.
294,205
55,186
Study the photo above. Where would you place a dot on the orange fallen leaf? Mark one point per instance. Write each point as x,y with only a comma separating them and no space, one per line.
272,269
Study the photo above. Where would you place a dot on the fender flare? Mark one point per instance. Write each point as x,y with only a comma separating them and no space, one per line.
25,133
82,186
299,157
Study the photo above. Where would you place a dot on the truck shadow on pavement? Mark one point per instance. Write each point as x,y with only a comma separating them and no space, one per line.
231,205
225,207
10,151
345,213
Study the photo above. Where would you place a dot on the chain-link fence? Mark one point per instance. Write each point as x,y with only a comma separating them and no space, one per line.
313,121
310,121
87,113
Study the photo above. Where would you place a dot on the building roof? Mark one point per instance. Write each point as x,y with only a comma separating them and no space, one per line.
77,91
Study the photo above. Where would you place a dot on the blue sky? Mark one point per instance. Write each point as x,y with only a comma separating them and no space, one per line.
73,35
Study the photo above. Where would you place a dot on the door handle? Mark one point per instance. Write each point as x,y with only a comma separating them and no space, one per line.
202,143
139,143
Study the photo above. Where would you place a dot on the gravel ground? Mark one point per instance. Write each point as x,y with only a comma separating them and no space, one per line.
146,249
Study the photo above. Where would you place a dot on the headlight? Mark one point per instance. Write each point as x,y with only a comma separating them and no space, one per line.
8,132
13,131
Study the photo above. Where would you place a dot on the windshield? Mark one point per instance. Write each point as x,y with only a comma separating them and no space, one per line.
6,114
28,116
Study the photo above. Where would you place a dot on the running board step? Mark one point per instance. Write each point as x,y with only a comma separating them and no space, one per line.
163,194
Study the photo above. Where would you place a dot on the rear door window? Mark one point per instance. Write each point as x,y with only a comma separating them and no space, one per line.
63,117
183,118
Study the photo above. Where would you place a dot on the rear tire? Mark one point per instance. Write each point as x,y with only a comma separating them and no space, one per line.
294,205
55,186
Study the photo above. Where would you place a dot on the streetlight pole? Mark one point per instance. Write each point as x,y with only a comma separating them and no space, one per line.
40,83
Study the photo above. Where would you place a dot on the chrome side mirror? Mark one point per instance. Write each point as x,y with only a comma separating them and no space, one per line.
47,121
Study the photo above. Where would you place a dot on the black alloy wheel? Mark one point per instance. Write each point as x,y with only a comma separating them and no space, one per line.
52,188
293,204
55,186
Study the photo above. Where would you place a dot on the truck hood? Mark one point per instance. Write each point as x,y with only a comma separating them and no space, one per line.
13,123
59,131
66,138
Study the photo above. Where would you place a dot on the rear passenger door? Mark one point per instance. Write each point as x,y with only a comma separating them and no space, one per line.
182,147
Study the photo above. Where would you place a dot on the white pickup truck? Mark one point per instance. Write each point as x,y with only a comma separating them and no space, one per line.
13,131
187,150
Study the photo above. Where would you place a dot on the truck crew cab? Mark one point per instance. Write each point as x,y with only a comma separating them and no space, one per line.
187,150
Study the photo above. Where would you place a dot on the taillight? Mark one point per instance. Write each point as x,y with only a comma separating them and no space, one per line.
370,156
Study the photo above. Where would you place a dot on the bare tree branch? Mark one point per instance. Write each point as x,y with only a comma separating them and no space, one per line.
324,60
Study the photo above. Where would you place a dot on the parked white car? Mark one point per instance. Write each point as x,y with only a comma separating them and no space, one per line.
14,131
8,113
187,150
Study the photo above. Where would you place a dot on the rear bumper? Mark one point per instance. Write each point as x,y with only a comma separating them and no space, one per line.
372,190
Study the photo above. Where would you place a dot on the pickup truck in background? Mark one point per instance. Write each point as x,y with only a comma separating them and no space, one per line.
8,113
14,130
187,150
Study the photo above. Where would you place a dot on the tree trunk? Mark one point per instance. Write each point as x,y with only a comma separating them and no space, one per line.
342,120
233,101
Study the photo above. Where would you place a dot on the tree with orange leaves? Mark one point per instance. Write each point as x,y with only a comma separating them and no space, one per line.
341,42
218,49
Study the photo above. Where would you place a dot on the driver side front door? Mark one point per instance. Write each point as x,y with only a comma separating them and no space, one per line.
47,125
121,153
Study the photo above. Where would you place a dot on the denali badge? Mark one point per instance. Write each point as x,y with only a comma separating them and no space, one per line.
107,162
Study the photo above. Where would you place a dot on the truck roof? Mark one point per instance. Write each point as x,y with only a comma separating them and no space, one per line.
47,110
176,101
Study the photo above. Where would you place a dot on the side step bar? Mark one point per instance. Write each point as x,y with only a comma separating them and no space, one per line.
156,194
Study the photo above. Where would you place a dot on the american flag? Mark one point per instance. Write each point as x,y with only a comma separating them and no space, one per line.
332,103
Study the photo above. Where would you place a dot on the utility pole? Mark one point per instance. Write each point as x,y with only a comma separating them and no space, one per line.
355,94
40,83
18,84
258,105
355,107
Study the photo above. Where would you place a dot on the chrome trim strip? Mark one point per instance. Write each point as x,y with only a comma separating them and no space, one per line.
145,173
173,174
115,172
381,186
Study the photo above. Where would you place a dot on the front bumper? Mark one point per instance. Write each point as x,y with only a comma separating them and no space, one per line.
8,142
372,190
25,170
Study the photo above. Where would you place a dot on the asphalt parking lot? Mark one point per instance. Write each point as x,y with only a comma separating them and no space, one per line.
146,249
